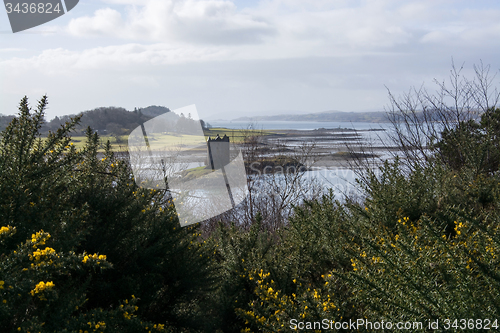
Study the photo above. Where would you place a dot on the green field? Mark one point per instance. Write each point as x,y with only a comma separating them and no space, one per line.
159,141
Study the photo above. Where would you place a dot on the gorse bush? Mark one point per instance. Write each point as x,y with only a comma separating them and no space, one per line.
88,202
419,260
423,244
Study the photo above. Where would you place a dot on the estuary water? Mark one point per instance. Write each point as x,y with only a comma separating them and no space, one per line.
299,125
374,134
341,179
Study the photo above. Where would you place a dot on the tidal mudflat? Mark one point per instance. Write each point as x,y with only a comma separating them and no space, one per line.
325,147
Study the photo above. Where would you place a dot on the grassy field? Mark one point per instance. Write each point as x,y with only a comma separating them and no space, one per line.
235,135
158,141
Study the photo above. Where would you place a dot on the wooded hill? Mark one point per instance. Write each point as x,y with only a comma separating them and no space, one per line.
109,120
104,120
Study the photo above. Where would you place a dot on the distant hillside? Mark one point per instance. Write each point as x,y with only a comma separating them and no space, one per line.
116,121
109,120
153,110
333,116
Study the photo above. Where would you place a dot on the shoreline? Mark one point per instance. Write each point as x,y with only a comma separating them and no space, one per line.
329,148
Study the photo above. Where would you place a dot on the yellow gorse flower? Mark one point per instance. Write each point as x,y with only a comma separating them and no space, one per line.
38,254
353,264
6,230
39,238
94,256
458,226
41,287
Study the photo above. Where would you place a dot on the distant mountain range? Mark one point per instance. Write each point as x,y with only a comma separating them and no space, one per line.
333,116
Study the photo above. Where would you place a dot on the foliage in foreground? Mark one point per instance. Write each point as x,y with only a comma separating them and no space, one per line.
82,248
423,245
88,203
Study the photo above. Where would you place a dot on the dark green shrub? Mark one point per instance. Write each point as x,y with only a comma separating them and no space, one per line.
87,200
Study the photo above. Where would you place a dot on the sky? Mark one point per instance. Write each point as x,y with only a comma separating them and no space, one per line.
234,58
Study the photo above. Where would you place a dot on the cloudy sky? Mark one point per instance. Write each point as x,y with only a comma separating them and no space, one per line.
243,57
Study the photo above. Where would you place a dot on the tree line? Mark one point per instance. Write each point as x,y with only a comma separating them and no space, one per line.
114,121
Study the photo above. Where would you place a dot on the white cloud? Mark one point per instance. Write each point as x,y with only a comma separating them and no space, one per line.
104,20
342,25
282,54
205,22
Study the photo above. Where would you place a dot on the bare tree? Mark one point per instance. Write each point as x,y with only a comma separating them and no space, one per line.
276,180
419,117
